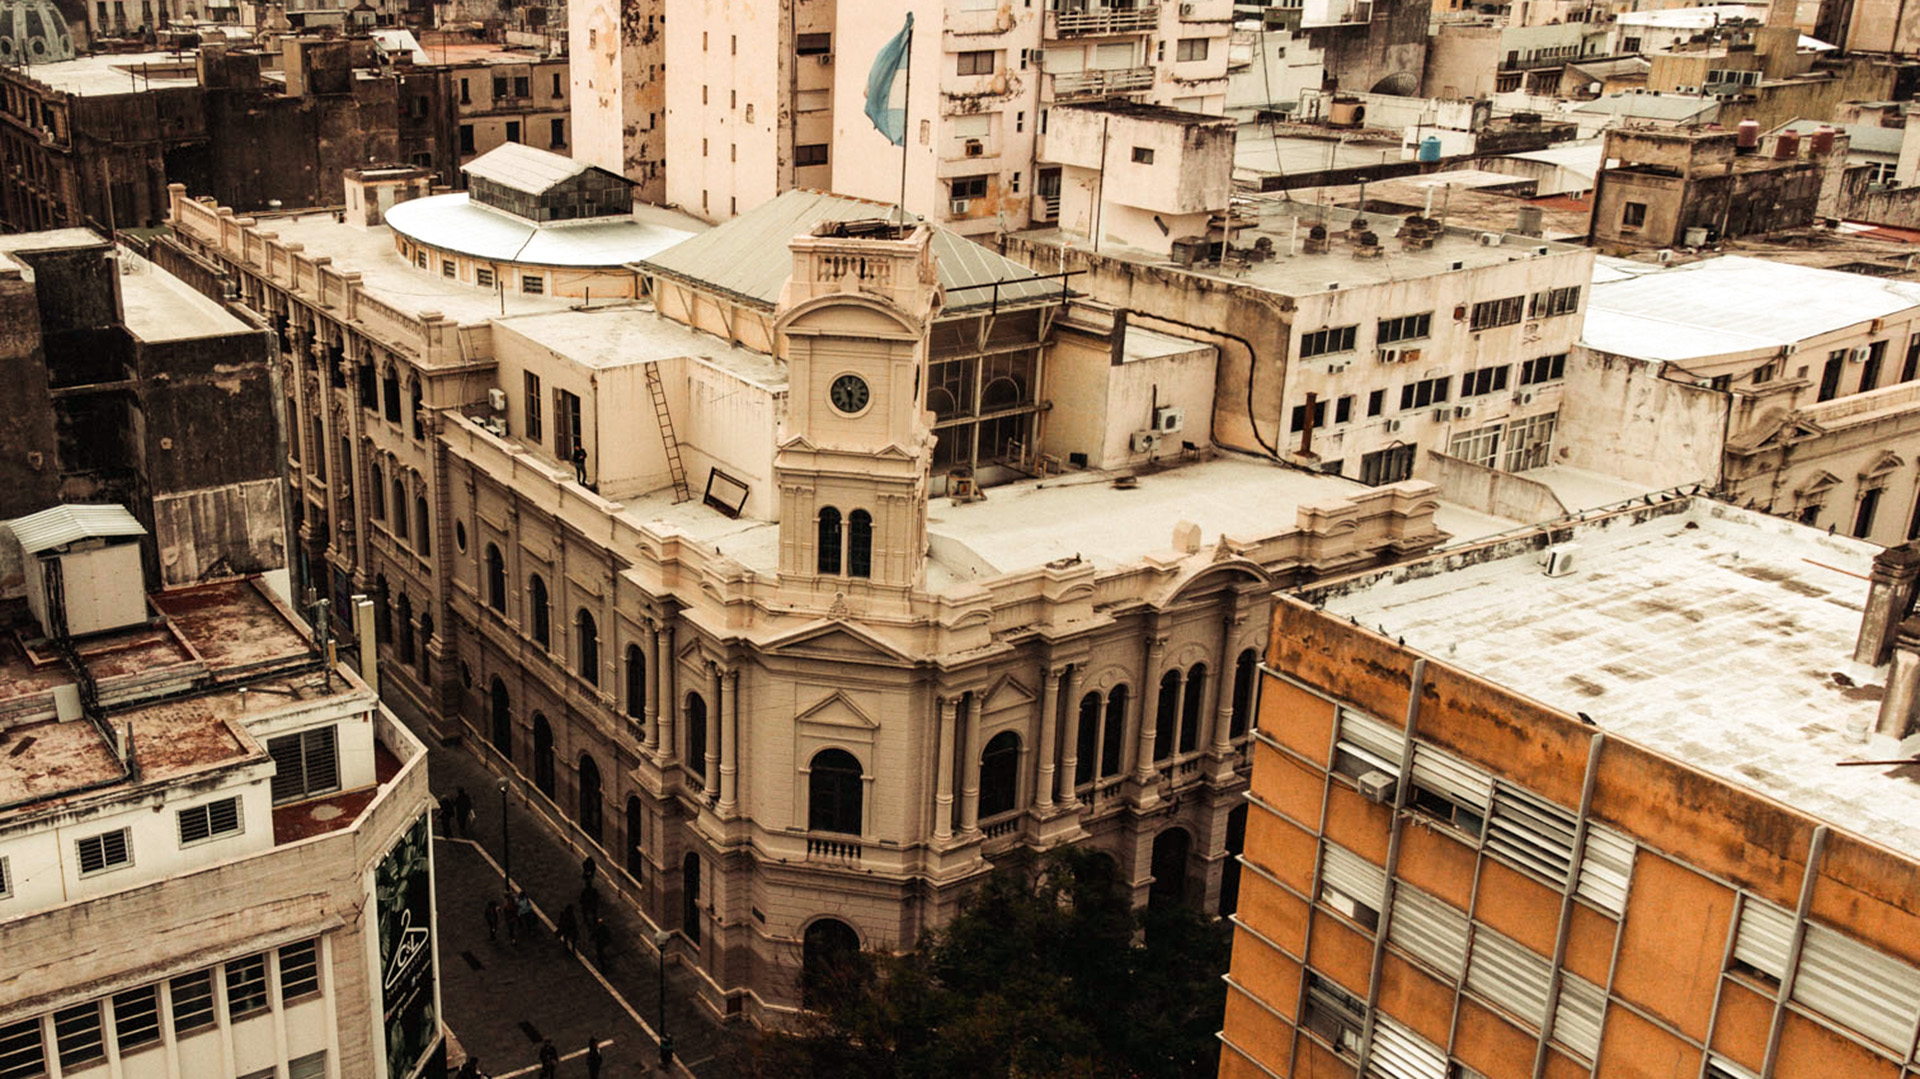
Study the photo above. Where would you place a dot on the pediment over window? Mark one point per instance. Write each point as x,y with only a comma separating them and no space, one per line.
1818,484
837,709
1880,466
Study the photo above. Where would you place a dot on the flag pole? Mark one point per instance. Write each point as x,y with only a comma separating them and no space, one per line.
906,115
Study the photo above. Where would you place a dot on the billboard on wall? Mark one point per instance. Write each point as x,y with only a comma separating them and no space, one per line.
403,890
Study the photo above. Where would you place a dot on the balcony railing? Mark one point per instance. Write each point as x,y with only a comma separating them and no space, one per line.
1124,80
1096,22
833,850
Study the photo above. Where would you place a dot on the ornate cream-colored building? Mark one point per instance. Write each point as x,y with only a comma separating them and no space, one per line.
825,618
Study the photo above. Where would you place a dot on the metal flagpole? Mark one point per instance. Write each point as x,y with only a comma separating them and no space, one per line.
906,118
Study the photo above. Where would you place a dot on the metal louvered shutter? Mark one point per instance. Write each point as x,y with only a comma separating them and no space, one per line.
1576,1018
1430,930
1399,1053
1354,876
1606,868
1509,974
1765,937
1452,778
1531,832
1377,743
1859,986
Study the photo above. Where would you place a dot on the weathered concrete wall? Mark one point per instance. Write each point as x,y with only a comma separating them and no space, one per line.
29,467
1488,490
1385,55
1857,201
1634,424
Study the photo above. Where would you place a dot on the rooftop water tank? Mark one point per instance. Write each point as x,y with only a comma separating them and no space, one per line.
1430,148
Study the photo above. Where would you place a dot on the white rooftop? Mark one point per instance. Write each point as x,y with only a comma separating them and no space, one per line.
1579,158
613,335
451,223
1717,636
523,168
116,73
1692,18
1728,306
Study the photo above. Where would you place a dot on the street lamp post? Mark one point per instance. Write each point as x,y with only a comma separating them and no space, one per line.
506,842
660,941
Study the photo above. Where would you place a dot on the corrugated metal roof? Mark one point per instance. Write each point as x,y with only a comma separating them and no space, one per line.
523,168
62,525
748,256
1861,138
1652,106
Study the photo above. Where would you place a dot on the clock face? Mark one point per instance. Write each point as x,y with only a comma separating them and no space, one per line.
849,394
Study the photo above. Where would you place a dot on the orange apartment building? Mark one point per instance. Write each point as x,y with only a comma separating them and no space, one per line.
1577,803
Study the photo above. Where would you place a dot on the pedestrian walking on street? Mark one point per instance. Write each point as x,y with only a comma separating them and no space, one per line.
569,929
446,815
549,1059
493,919
587,870
602,936
524,907
462,811
593,1056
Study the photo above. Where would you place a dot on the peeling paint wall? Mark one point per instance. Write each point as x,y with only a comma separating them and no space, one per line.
1636,425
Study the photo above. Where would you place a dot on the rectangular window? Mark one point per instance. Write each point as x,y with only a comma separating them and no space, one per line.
104,852
1830,375
513,131
1557,301
1502,312
1429,929
1859,986
558,91
305,764
449,269
246,986
556,132
976,63
1352,885
1633,215
812,153
1911,369
1319,416
967,187
1376,402
466,91
566,432
6,880
1404,328
533,284
299,969
530,406
1343,409
1530,442
211,821
1863,514
1334,1014
78,1033
1430,391
1870,368
1543,369
483,276
1450,790
311,1066
136,1017
522,86
1190,48
813,44
1391,465
22,1052
499,86
466,138
1484,381
192,1002
1327,341
1143,155
1480,446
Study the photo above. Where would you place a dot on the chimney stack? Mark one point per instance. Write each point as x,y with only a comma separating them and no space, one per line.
1890,595
1903,688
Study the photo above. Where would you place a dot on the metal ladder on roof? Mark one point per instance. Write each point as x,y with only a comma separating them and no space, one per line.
678,470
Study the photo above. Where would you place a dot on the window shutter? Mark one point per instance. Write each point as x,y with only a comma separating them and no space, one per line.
1576,1018
1531,832
1858,985
1765,937
1371,740
224,816
1430,930
1399,1053
1509,974
193,824
323,763
1606,868
1452,778
1353,875
289,771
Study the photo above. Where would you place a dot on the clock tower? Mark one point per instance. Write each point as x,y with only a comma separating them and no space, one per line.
852,454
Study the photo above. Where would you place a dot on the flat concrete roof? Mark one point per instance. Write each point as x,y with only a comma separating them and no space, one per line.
158,306
625,333
115,73
1715,635
1257,151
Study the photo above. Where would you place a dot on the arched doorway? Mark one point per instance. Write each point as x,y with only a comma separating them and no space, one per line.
589,809
1000,775
834,793
1169,867
1230,869
636,861
690,897
542,755
829,957
502,719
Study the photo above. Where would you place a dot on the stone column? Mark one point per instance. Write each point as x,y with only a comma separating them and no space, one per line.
668,705
650,656
970,786
943,772
730,746
1049,728
1143,753
1890,594
1222,740
716,721
1903,684
1069,736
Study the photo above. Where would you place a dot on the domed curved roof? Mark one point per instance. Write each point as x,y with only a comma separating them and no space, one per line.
33,32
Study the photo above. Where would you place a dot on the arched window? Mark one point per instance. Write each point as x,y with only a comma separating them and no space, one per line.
829,554
690,897
860,544
829,960
636,861
1000,775
834,793
1166,715
1169,867
636,682
1230,869
400,530
403,610
1113,740
542,754
496,579
501,718
377,490
590,813
390,389
589,649
382,611
419,413
426,649
696,762
1196,699
539,623
1243,672
1087,744
423,526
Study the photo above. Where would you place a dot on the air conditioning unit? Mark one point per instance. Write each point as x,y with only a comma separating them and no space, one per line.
1377,786
1442,415
1523,399
1489,239
1144,442
1186,11
959,207
1168,420
497,400
1558,561
1336,368
1461,412
976,148
1859,355
1663,256
826,59
1392,426
1392,355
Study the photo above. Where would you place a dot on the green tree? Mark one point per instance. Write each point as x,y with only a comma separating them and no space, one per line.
1041,974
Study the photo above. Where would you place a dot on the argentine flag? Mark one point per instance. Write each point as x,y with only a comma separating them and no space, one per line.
893,56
